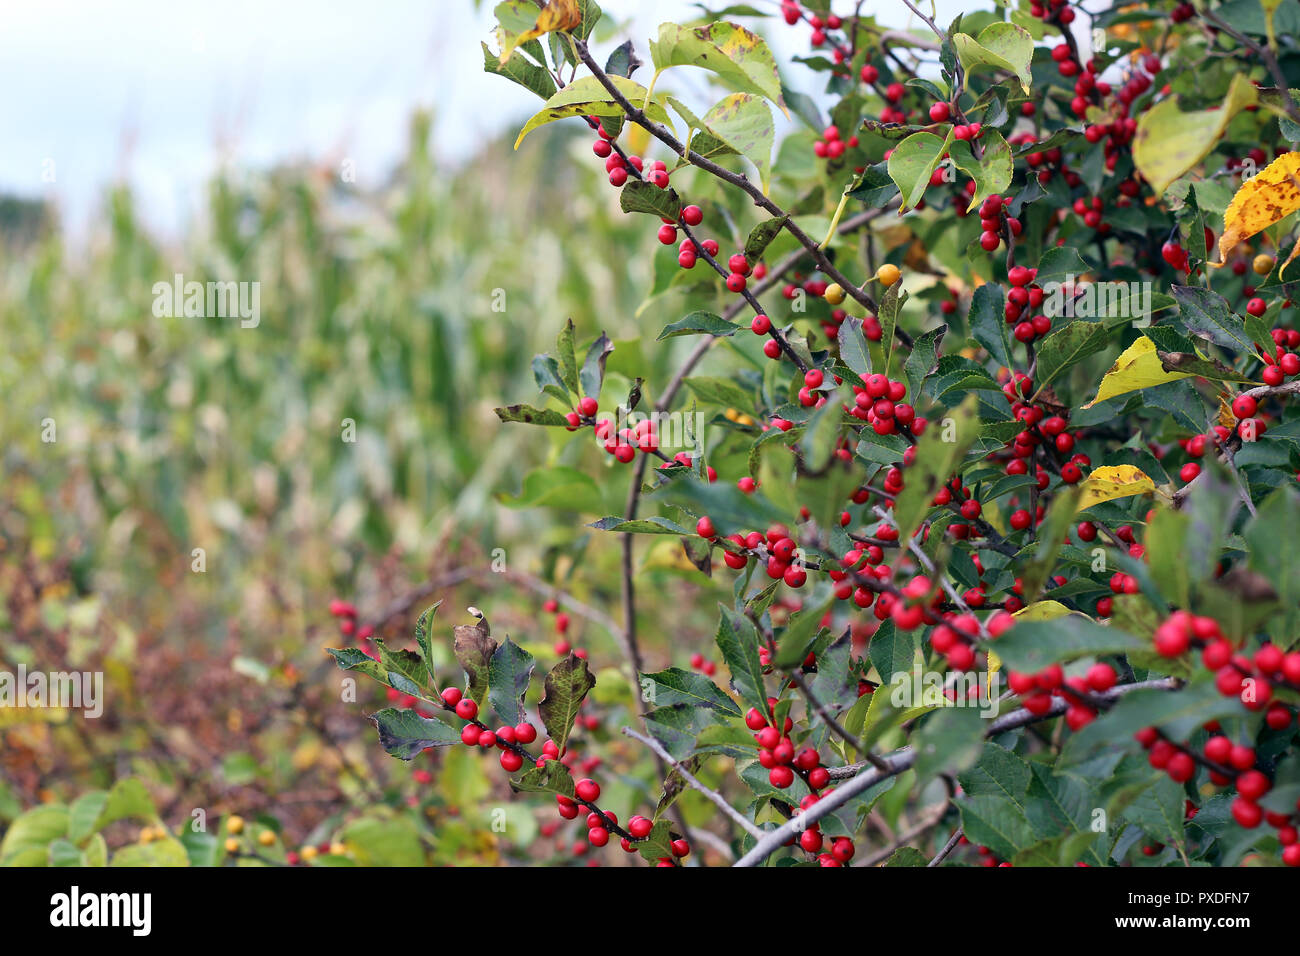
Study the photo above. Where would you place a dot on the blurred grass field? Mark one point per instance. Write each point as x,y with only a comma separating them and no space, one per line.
176,434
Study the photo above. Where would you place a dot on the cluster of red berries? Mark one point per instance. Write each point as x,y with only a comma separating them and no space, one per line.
1037,690
706,667
831,146
879,402
1228,764
956,638
995,223
1040,429
1053,11
1023,296
1284,361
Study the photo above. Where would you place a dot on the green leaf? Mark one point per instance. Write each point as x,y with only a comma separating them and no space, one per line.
738,642
761,236
376,841
797,638
550,777
913,161
1001,46
127,800
405,669
698,323
564,348
1159,811
528,415
651,525
1030,646
922,361
991,821
509,673
1060,262
823,429
739,58
853,347
936,459
641,196
566,686
744,123
1178,713
873,187
518,68
83,815
719,391
353,659
986,323
998,772
165,852
593,367
1066,346
405,734
1208,315
587,97
991,171
677,686
950,740
546,373
34,830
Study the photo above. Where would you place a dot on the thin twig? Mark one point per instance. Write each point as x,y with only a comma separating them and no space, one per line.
712,796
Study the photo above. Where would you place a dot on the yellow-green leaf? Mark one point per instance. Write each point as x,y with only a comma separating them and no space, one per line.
741,59
1139,367
1114,481
1170,142
587,97
1003,46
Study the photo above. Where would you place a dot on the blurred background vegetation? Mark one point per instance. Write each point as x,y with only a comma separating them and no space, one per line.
173,434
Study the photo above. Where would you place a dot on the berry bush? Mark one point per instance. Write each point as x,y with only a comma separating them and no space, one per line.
984,442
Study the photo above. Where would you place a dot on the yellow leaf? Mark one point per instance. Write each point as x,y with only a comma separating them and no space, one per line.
1227,418
1043,610
1262,200
1114,481
558,15
1170,142
1139,367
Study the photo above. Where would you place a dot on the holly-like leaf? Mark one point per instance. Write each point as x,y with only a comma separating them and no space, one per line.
509,673
474,647
677,686
565,687
593,367
1208,315
641,196
738,642
741,59
528,415
588,97
699,323
405,734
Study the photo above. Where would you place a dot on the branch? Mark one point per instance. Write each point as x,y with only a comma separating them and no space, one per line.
713,796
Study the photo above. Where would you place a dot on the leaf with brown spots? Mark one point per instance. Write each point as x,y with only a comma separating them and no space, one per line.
1263,200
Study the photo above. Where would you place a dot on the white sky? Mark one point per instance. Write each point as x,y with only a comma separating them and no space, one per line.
161,93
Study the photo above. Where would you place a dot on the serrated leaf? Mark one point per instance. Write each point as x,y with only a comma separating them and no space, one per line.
405,734
509,673
566,686
699,323
677,686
